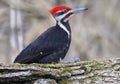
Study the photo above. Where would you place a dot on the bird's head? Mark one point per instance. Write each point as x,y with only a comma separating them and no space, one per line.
64,12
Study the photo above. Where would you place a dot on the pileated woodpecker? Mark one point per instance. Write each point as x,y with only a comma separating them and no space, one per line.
53,44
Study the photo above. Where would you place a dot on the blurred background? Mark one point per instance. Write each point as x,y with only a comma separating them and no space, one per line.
95,33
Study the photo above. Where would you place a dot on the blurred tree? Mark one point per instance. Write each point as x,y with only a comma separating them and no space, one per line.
17,35
95,33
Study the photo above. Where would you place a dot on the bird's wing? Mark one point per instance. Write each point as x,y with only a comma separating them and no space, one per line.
35,51
38,49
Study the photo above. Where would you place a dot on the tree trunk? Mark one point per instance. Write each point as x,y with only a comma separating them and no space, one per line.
83,72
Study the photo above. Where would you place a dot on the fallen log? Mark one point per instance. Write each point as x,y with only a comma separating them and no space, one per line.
83,72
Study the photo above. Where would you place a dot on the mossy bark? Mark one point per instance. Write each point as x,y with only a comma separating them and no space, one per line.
83,72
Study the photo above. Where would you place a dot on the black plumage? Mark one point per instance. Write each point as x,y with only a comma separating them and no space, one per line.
54,43
49,47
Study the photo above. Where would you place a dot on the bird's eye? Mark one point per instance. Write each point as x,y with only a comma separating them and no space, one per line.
65,10
61,12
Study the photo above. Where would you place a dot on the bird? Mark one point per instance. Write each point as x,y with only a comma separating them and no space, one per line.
53,44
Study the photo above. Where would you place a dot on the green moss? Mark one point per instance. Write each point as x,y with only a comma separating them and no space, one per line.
17,65
74,81
62,72
65,82
88,69
39,73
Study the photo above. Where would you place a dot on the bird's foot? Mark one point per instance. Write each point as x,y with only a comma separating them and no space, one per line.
76,59
68,62
65,62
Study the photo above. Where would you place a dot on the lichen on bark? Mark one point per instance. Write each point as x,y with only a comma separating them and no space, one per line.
83,72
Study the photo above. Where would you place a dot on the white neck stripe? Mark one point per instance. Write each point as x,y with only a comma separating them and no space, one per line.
64,28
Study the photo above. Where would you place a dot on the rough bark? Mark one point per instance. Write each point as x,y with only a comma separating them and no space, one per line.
83,72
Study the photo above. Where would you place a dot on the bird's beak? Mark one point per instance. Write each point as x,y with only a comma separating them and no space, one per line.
74,11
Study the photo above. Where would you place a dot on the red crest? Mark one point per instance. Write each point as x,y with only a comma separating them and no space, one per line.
58,8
